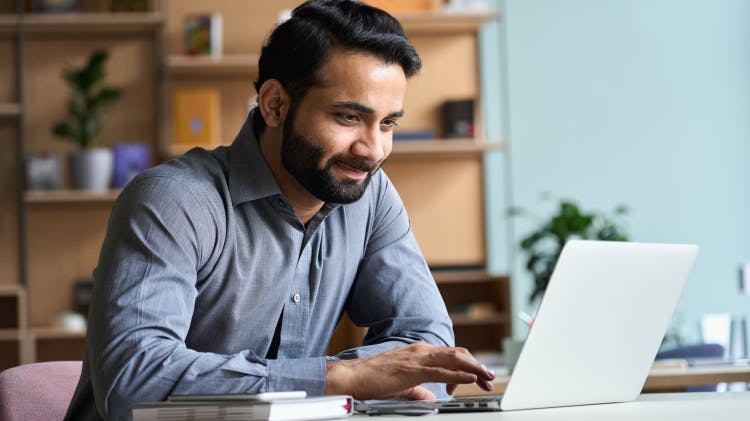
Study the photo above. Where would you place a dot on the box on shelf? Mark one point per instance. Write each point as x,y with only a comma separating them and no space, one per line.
203,34
458,118
43,171
129,159
197,114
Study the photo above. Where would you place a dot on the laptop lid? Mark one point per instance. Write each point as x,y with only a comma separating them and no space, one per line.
600,324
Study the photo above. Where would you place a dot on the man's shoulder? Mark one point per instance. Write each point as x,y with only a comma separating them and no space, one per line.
194,168
381,187
380,197
198,173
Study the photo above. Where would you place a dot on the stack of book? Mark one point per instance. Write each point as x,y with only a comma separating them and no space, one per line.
284,406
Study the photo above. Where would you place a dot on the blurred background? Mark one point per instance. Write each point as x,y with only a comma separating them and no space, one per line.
531,120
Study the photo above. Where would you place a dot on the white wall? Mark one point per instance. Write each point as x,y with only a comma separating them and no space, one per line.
640,102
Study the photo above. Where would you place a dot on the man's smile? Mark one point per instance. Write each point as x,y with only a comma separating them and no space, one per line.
351,173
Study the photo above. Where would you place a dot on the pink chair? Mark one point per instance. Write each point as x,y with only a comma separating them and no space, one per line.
40,391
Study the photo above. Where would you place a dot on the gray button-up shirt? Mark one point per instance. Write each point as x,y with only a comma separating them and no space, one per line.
204,258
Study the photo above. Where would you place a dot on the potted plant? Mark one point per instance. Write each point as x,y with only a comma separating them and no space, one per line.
542,246
90,167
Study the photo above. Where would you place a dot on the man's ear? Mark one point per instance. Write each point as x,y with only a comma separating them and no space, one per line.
273,102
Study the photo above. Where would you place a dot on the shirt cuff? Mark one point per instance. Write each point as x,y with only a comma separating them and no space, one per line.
308,374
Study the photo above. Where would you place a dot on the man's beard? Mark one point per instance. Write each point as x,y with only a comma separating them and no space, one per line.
301,158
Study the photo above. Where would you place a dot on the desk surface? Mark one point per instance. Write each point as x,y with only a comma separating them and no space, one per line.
661,407
659,380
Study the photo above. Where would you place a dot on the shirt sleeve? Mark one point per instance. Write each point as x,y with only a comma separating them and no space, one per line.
394,294
158,237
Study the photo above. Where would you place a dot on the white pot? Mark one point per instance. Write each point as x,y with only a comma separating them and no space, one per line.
91,169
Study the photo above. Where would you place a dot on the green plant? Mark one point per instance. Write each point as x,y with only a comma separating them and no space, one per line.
542,247
88,101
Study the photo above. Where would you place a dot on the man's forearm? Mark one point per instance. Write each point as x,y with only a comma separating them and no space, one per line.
150,376
400,372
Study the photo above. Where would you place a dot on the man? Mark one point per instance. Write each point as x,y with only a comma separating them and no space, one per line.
227,271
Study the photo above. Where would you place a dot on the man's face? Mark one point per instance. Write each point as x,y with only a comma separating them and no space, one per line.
339,133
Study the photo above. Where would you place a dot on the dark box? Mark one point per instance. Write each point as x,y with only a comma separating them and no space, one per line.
458,119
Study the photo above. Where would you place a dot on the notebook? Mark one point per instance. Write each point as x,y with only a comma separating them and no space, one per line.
274,406
598,328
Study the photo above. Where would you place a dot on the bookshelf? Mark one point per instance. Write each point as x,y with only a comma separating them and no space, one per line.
10,111
51,239
66,24
13,326
68,196
239,65
440,180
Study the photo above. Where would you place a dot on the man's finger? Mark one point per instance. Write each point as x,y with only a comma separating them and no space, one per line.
450,388
417,393
485,384
459,359
444,375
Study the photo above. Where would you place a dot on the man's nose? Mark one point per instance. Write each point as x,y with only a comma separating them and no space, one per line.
373,144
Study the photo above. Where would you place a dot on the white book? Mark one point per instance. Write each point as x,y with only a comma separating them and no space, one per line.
237,408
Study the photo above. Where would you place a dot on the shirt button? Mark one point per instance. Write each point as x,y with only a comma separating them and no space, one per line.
296,298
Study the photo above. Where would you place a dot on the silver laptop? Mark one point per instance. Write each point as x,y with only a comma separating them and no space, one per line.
598,328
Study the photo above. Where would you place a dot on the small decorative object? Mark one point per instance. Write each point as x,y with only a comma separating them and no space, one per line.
197,114
128,5
70,322
203,34
458,119
129,160
55,6
745,278
426,134
90,168
82,296
43,171
542,247
466,6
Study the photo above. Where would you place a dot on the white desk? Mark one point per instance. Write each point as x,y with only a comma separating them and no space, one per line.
656,407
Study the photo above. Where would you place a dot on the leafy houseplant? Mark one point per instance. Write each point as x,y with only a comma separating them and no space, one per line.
87,107
542,247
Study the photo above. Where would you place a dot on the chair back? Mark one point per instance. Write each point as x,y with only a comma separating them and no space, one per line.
39,391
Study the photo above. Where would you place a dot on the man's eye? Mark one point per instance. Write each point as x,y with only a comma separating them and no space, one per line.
351,118
390,124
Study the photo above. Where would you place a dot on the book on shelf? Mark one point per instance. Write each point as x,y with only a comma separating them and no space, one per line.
197,117
203,34
244,407
407,135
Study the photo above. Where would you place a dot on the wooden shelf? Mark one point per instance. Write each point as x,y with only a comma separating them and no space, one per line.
408,148
10,290
177,150
69,196
56,333
8,23
9,110
443,23
242,65
439,147
464,277
82,23
10,335
122,22
464,320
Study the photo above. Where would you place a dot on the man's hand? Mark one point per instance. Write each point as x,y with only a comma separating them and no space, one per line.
400,371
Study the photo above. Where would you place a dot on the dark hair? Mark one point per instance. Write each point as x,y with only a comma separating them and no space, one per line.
298,47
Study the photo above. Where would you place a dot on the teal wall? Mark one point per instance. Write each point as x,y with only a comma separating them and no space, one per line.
640,102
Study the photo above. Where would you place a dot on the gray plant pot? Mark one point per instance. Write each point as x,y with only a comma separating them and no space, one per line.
91,169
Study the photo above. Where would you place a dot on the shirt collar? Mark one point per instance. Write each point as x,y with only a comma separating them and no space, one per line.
250,178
